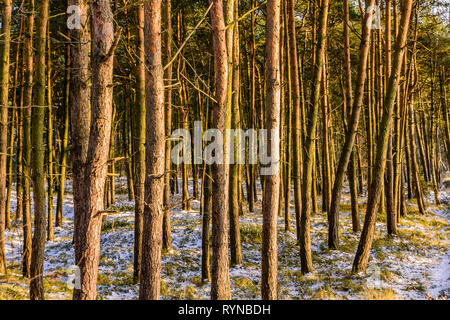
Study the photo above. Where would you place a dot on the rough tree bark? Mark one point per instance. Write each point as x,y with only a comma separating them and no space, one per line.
37,161
155,149
79,103
269,254
220,279
87,239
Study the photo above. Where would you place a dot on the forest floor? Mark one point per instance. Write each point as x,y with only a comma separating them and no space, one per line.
415,264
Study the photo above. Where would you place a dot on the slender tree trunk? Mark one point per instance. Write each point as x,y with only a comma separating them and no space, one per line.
111,172
333,231
411,127
234,205
16,122
326,156
287,114
167,241
206,221
37,161
79,101
155,157
309,149
252,168
139,140
20,113
50,146
64,144
10,155
220,280
127,147
87,240
391,212
4,104
352,166
365,243
28,52
412,147
269,283
297,130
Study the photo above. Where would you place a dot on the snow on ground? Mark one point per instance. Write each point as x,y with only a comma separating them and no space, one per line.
412,265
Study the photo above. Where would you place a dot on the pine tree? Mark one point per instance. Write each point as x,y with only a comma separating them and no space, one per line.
155,155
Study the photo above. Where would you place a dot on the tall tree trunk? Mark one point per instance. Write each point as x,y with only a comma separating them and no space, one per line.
412,127
309,149
234,205
352,129
79,101
297,130
37,163
252,176
206,221
139,141
50,146
20,113
167,238
287,115
412,147
4,104
87,239
64,143
26,223
351,172
391,212
365,243
16,122
269,254
326,156
220,280
155,149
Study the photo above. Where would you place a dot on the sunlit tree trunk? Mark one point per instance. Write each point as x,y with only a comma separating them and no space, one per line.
269,283
352,129
37,160
365,243
4,104
79,101
220,279
87,241
309,148
155,149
